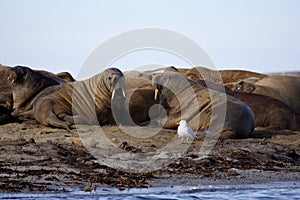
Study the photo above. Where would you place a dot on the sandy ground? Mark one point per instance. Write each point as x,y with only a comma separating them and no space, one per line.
37,158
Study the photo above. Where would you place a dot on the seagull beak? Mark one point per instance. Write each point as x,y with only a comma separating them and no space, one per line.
178,123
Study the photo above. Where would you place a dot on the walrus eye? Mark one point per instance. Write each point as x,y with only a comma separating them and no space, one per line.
238,87
111,79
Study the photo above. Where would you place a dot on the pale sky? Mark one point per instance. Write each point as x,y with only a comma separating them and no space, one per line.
59,35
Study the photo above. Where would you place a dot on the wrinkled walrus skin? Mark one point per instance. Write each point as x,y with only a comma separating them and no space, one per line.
201,107
283,88
83,102
221,76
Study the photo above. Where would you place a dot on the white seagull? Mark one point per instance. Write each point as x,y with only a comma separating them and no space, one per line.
184,130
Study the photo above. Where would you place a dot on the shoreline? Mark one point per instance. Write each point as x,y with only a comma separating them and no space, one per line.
245,177
34,158
170,189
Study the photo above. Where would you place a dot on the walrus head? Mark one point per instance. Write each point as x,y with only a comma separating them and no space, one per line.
116,83
16,74
171,69
169,82
160,79
244,86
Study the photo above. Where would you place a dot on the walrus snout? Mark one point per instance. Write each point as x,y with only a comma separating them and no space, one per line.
15,74
117,82
119,89
119,92
11,76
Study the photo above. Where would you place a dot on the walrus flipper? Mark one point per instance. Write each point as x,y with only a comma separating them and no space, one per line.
77,119
25,115
45,114
56,122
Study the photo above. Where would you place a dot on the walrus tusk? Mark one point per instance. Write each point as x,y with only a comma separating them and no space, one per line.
124,93
155,94
113,94
12,80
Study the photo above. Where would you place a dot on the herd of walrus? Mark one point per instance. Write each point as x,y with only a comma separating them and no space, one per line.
236,101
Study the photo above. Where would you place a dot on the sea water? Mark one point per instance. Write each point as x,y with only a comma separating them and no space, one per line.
272,190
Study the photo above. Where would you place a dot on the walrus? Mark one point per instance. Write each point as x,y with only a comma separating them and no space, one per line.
269,112
30,89
283,88
62,77
201,107
220,76
5,89
25,85
138,74
65,76
5,97
91,101
139,98
287,73
162,70
6,101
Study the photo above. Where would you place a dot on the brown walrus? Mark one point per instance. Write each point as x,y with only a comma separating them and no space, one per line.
162,70
52,76
287,73
201,107
30,89
25,85
66,76
220,76
268,112
283,88
5,97
5,89
138,74
139,97
91,101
